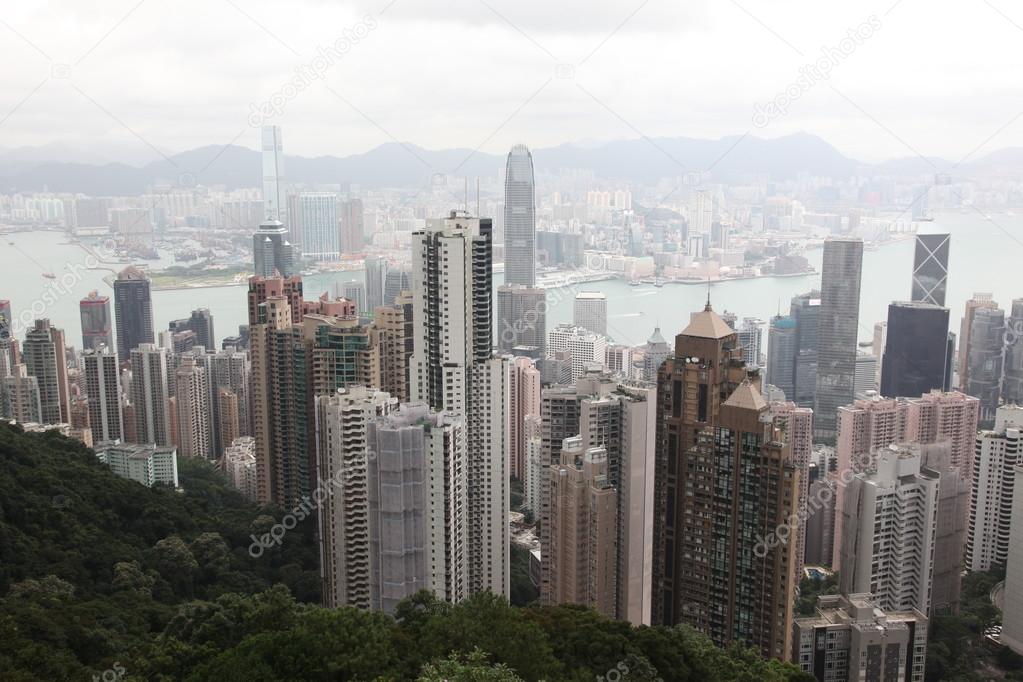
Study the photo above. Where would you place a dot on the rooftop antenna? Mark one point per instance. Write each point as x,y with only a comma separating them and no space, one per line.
708,292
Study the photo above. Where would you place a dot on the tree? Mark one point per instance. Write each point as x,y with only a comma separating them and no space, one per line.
472,667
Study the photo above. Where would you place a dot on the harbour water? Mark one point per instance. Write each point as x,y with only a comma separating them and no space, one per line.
986,253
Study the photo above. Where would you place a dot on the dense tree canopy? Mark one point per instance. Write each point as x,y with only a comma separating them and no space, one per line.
100,576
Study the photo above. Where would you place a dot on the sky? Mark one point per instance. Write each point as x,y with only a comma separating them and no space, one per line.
128,80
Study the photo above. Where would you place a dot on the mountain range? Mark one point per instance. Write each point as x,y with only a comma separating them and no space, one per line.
734,159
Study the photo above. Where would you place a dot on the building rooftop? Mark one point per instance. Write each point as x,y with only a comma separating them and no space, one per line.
708,325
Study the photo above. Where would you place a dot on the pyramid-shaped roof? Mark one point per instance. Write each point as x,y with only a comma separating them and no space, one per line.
708,325
747,396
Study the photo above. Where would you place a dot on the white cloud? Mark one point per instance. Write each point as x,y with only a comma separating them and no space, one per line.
939,77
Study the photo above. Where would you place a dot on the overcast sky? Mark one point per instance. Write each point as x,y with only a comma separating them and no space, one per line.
934,76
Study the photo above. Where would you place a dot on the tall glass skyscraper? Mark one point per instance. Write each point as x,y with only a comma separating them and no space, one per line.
916,350
837,333
519,218
133,309
274,207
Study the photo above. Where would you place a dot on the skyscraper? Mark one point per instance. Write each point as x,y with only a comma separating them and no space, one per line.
21,392
321,238
839,322
452,369
150,395
580,502
103,389
133,308
273,253
274,206
1012,608
96,321
523,404
201,322
44,358
521,318
930,268
352,229
720,456
519,218
751,335
805,309
619,419
376,274
6,321
589,311
1012,376
890,516
984,357
979,301
916,350
194,409
782,340
994,478
395,336
396,281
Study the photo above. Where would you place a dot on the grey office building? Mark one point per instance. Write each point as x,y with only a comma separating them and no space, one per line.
930,268
782,348
376,275
837,333
805,311
915,359
1012,381
519,218
521,317
984,359
272,251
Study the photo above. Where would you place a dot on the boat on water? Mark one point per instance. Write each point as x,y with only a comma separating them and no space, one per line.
633,282
648,280
49,275
659,283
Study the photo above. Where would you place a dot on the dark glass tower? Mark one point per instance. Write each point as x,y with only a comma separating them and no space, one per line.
916,350
133,310
839,322
930,268
519,218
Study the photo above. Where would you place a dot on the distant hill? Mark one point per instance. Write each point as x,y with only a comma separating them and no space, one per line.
406,165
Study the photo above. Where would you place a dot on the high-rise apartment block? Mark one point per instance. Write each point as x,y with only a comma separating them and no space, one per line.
890,520
103,390
994,490
150,395
852,638
580,528
725,476
44,358
452,369
145,464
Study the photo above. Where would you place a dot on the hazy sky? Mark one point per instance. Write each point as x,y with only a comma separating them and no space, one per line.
935,77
